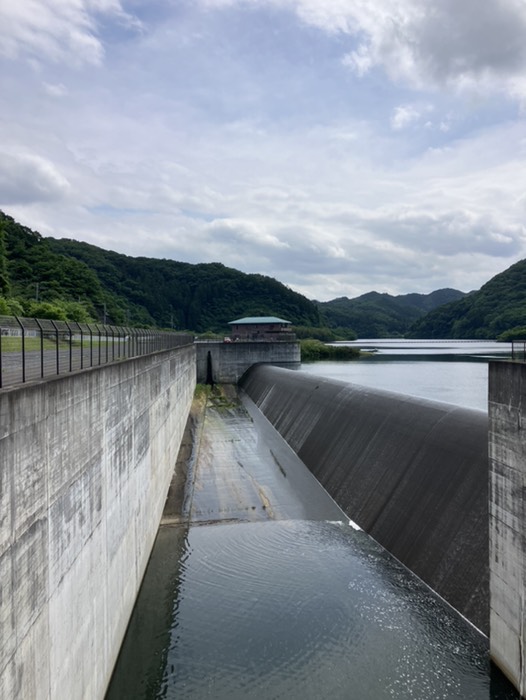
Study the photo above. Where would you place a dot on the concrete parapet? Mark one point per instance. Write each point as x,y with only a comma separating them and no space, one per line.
412,473
226,362
507,452
85,465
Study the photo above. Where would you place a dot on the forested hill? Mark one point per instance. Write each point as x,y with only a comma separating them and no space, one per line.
375,315
498,309
144,291
62,278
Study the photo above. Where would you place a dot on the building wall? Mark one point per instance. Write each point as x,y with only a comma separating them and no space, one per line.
412,473
229,361
507,450
85,464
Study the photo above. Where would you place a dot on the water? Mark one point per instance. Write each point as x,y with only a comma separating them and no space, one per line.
265,590
296,610
454,372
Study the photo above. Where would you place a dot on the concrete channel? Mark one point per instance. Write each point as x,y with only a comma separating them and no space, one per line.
260,586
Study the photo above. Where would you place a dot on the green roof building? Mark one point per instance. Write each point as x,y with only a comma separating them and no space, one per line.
268,328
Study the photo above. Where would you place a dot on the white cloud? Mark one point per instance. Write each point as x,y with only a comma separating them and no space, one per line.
55,90
257,149
466,45
432,44
405,115
57,30
29,178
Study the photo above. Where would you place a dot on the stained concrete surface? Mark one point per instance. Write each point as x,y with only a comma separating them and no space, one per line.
86,461
242,470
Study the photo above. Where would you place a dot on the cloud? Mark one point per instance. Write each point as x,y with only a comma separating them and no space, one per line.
405,115
58,30
55,90
29,178
442,40
285,137
438,44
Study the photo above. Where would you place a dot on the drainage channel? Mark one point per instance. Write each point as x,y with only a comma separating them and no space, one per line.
259,587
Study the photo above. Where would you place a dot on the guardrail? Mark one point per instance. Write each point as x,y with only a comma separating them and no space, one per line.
32,348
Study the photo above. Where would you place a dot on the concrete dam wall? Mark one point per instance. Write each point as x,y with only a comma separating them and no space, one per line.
412,473
225,363
86,462
507,450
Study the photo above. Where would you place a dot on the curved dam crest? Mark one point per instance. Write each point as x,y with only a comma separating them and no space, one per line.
412,473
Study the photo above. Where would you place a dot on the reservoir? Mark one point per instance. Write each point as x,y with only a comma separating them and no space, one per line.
453,371
265,589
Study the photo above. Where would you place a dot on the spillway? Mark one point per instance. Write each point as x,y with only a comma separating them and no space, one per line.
412,473
262,588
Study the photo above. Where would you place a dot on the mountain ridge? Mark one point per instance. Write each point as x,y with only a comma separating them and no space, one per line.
90,282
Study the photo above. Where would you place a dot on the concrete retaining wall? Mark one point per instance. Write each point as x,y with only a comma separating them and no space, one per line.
412,473
85,465
229,361
507,444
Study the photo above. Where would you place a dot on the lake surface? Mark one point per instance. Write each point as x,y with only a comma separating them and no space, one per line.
452,371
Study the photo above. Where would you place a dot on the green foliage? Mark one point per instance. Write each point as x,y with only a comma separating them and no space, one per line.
46,309
10,307
323,333
76,311
375,315
210,335
198,297
499,306
312,350
517,333
141,291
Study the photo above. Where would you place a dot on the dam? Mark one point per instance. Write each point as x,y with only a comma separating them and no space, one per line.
81,509
263,588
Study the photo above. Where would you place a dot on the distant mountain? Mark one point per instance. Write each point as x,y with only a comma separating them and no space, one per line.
142,291
375,315
166,293
497,307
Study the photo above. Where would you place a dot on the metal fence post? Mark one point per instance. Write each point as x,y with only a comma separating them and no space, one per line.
23,349
81,345
90,346
70,346
41,348
57,348
100,341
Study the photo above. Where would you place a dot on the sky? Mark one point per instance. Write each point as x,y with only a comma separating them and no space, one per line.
340,146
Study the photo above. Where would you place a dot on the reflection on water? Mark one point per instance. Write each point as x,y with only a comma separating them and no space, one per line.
294,609
454,372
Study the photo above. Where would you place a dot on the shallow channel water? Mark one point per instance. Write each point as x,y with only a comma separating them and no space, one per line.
295,609
267,591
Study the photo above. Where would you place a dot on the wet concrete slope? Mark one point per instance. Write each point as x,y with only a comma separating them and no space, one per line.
412,473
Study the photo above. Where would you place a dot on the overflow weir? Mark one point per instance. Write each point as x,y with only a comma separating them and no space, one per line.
261,587
412,473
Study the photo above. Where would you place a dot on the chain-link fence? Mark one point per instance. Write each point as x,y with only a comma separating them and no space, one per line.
32,348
